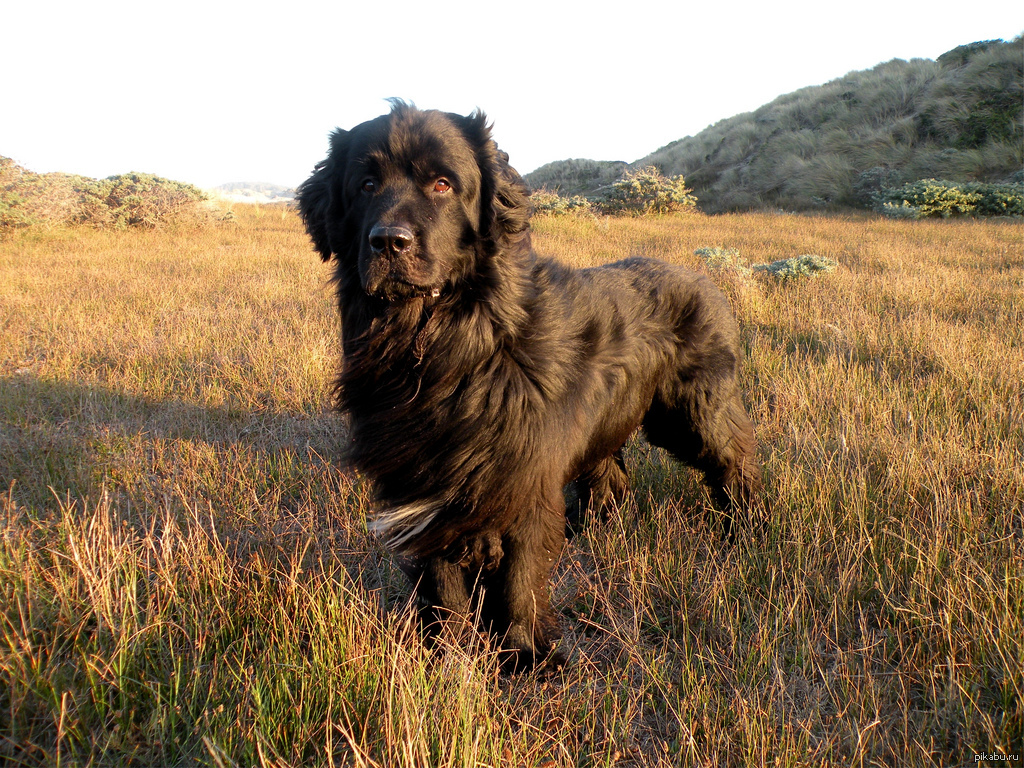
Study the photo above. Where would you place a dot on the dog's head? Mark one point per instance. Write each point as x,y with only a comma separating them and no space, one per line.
410,203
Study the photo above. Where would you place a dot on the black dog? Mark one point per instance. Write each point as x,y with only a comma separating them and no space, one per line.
481,379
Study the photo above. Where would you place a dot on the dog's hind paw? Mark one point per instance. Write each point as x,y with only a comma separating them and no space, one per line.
480,552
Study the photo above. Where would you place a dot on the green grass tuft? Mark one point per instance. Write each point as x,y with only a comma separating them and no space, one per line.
796,268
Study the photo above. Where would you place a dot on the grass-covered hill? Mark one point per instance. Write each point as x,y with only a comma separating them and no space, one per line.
957,118
576,177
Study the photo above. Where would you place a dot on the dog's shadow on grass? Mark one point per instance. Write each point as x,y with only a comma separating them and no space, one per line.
264,483
265,479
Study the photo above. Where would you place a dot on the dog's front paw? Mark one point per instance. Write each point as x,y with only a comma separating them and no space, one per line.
523,651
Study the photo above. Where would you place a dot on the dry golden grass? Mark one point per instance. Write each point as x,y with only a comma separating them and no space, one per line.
185,578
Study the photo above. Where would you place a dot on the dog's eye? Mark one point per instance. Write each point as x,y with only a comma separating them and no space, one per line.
442,185
369,185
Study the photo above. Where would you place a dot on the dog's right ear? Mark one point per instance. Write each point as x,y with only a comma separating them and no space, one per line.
314,194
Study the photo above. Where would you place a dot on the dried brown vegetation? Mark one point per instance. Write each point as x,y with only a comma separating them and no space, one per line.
185,578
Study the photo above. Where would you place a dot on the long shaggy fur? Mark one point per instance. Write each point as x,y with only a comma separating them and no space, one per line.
481,379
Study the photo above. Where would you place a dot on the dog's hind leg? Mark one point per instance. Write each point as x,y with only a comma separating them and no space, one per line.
716,436
603,484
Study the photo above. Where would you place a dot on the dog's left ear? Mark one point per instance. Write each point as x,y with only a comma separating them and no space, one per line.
314,194
505,198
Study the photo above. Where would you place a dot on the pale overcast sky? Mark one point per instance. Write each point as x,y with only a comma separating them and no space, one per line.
211,92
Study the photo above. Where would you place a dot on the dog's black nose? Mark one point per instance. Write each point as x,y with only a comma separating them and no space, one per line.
393,239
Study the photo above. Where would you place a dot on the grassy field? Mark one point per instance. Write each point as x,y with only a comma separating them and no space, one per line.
186,577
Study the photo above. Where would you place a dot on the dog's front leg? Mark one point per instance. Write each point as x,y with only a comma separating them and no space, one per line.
444,595
517,606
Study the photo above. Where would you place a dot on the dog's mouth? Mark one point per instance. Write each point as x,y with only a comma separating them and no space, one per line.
397,290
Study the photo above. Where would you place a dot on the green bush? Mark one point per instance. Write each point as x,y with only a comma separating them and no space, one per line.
646,191
902,211
145,200
28,199
935,197
932,197
14,213
729,260
871,183
723,259
128,200
796,268
998,199
552,204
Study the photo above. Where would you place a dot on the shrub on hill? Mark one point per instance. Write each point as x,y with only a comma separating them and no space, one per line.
934,197
28,199
127,200
145,200
646,191
553,204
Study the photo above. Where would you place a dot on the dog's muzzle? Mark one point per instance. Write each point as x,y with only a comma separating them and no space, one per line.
389,275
